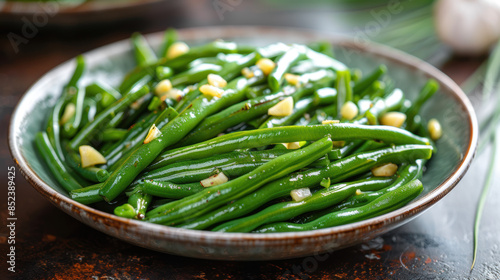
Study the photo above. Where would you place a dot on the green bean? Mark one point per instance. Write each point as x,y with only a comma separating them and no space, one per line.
427,92
379,206
195,75
268,136
87,195
229,72
77,74
140,202
120,152
322,47
92,128
283,65
325,96
169,39
216,196
89,111
155,103
91,173
168,189
233,164
125,211
273,50
207,50
132,133
323,114
99,88
70,128
323,61
344,89
322,199
369,145
170,134
53,126
300,108
113,134
136,79
377,89
258,91
238,113
405,174
338,171
55,163
144,55
365,83
163,72
338,153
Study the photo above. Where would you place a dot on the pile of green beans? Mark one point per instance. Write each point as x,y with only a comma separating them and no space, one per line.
191,138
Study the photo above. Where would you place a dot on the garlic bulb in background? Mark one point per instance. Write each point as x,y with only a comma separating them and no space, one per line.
470,27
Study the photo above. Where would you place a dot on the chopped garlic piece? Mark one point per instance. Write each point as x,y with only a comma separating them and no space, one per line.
349,110
216,80
211,90
385,170
163,87
90,156
175,94
266,65
247,73
69,112
330,122
214,180
292,79
153,133
395,119
282,109
292,145
300,194
177,49
435,129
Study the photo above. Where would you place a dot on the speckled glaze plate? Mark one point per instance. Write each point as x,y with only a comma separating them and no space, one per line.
450,106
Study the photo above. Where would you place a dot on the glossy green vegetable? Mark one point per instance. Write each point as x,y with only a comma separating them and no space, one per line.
168,189
170,134
287,210
379,206
221,162
54,163
283,65
233,164
263,137
213,197
144,55
338,171
92,128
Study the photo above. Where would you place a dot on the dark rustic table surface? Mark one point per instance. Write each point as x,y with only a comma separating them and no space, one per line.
52,245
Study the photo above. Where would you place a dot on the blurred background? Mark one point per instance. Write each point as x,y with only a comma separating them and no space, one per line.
457,36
